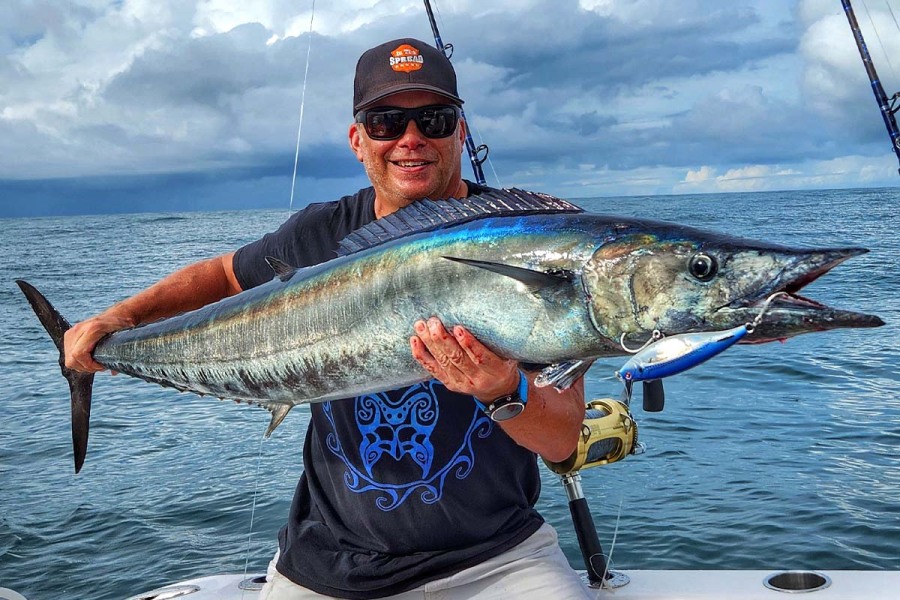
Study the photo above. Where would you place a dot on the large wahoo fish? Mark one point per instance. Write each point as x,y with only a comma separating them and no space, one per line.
533,277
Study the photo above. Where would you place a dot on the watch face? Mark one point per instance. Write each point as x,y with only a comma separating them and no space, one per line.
507,411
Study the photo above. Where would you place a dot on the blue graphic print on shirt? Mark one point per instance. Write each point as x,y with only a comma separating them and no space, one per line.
402,428
399,428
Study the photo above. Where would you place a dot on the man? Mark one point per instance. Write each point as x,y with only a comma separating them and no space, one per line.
423,489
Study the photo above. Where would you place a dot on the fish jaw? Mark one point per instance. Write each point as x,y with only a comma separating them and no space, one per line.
789,313
644,281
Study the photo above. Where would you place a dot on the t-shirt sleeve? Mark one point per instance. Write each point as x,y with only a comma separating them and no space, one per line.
308,237
291,243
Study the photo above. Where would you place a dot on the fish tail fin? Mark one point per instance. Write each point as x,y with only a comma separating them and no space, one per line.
80,384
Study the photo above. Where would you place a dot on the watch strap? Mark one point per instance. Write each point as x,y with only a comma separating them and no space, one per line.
510,405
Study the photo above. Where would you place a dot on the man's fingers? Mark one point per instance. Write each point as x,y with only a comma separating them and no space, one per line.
427,352
85,365
70,348
477,352
78,344
424,357
445,348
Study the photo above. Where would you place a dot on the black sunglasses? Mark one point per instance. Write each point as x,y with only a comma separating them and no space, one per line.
389,122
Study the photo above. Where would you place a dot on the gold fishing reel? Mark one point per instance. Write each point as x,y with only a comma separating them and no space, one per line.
608,434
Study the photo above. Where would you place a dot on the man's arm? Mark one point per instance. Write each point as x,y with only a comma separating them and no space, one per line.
551,422
189,288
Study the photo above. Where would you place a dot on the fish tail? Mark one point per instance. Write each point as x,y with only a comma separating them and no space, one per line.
80,384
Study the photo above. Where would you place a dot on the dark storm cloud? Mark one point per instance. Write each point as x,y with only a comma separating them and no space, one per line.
266,186
578,46
211,69
194,97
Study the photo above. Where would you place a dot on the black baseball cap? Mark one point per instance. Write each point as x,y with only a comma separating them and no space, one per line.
399,66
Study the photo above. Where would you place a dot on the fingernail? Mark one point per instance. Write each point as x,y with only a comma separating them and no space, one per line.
419,326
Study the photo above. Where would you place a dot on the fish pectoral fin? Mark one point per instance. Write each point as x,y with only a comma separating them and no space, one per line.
561,376
534,280
282,270
279,412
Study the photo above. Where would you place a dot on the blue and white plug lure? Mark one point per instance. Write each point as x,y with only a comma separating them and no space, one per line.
674,354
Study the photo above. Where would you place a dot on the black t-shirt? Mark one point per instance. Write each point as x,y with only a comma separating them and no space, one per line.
400,487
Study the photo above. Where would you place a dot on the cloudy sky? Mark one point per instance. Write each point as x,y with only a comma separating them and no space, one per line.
183,104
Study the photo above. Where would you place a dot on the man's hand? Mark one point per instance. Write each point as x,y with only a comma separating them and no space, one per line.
79,341
461,362
551,422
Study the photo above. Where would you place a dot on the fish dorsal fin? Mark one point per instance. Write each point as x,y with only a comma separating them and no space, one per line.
428,215
282,270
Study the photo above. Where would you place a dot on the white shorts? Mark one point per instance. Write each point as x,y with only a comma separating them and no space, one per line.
536,569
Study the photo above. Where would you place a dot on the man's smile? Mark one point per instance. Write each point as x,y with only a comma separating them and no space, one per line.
410,163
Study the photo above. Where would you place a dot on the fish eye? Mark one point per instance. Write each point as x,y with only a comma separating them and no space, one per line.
703,267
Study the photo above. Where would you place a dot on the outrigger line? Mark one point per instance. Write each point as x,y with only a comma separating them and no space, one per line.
888,107
474,153
312,16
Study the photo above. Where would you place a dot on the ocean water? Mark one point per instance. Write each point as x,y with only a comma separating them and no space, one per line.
768,457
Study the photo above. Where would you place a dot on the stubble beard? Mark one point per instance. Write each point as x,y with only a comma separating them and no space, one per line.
393,193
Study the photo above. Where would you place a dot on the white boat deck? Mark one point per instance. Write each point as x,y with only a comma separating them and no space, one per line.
748,585
644,585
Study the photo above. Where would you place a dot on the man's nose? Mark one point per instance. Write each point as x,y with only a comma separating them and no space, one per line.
412,137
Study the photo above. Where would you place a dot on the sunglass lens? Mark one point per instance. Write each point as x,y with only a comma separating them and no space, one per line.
437,122
385,124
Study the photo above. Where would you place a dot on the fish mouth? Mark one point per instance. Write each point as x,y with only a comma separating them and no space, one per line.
786,313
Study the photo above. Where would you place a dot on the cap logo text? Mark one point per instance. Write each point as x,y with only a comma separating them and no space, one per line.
405,59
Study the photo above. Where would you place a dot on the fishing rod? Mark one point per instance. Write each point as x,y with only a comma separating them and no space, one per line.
887,106
473,151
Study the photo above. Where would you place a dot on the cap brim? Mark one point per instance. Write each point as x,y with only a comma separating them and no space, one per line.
406,87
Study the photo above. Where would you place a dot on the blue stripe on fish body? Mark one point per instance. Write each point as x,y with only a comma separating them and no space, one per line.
675,354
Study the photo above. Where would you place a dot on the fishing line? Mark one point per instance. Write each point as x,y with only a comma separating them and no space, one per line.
469,125
891,10
440,17
312,16
253,508
883,49
489,161
612,545
658,335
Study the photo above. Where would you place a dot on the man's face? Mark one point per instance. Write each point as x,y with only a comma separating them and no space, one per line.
413,166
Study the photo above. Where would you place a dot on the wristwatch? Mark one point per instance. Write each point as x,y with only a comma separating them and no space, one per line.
508,406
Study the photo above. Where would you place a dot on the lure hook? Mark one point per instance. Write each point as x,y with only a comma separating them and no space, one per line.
762,311
657,334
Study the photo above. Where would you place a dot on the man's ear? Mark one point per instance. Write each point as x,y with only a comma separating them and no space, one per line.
355,140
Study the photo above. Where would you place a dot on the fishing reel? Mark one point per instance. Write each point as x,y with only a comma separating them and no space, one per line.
608,434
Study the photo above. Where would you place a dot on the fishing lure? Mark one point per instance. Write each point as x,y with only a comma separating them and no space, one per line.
675,354
667,356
